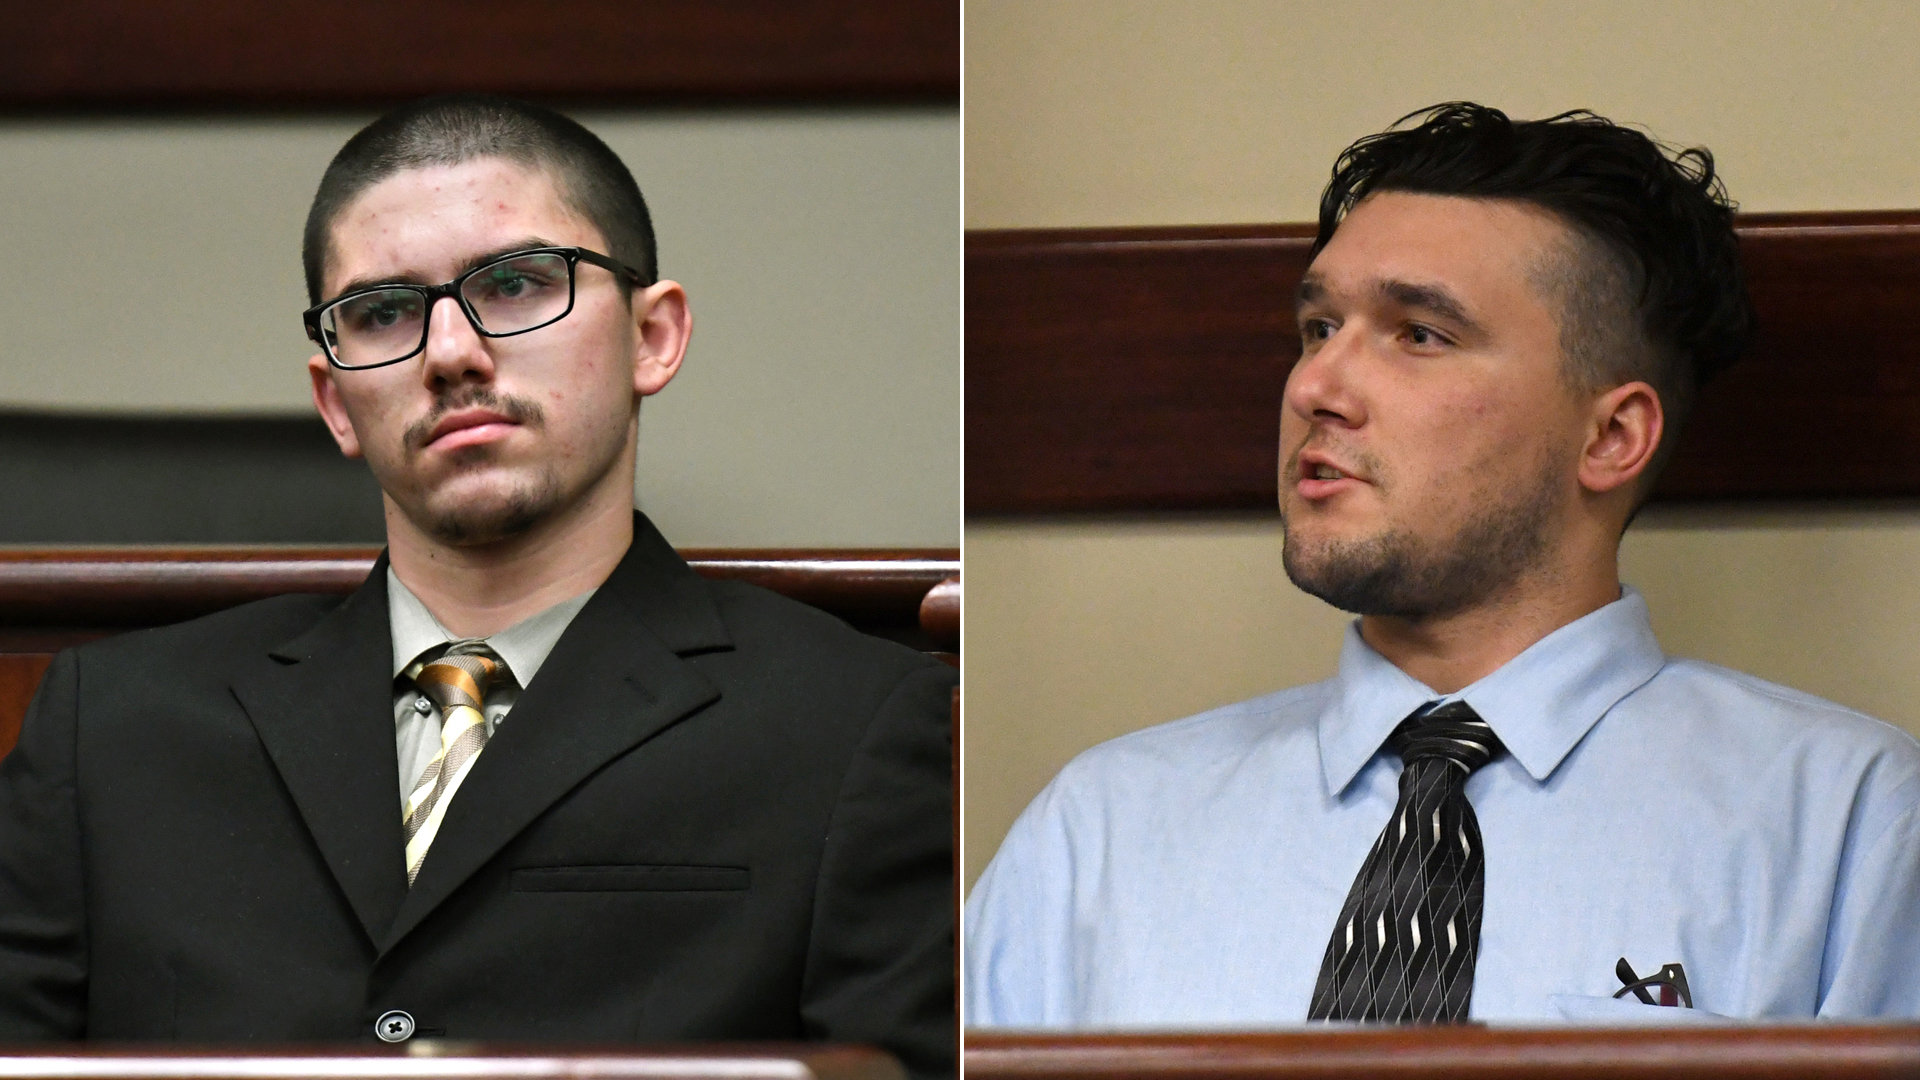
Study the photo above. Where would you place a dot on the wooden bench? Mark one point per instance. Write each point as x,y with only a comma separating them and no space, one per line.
57,597
1462,1052
428,1060
1177,406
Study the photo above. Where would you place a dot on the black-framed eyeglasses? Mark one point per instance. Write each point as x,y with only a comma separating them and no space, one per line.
1670,982
513,294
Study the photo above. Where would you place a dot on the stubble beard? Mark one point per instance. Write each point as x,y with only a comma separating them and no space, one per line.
472,523
459,520
1395,573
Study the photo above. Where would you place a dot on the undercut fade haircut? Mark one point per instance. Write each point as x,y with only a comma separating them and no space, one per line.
1651,287
456,128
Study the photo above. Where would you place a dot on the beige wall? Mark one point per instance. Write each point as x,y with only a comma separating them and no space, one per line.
153,265
1133,113
1121,112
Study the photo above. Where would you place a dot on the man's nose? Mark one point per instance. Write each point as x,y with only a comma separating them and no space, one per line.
455,351
1321,388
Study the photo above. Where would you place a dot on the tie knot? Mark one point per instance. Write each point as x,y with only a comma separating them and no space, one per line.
461,676
1453,733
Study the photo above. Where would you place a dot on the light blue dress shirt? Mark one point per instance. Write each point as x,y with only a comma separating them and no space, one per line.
1663,810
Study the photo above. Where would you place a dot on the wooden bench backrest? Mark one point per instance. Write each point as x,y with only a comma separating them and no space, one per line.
54,598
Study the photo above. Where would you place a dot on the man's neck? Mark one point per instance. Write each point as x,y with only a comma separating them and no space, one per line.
1451,652
479,590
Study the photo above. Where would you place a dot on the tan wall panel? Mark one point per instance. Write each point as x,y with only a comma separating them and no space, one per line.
1827,601
1154,112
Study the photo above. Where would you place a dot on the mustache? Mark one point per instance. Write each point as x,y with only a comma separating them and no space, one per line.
517,409
1332,448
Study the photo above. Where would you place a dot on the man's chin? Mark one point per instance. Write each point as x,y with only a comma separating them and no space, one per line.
465,517
1369,576
1337,577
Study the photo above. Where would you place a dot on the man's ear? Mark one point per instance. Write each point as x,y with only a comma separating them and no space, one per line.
1623,432
662,325
326,400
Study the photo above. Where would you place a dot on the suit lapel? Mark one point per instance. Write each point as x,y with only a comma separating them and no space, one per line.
323,707
615,679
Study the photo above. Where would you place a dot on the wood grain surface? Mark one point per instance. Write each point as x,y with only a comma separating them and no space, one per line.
940,610
54,598
1141,369
88,588
19,677
1465,1052
246,54
427,1060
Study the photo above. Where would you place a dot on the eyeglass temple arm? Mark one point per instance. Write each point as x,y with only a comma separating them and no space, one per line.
613,265
1624,971
1670,975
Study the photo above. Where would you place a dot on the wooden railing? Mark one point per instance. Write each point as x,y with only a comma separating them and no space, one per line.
1467,1052
1176,405
54,598
452,1061
226,55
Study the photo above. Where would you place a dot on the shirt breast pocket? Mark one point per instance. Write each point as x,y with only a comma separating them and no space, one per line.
1586,1009
635,878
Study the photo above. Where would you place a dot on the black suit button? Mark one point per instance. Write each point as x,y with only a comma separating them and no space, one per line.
394,1026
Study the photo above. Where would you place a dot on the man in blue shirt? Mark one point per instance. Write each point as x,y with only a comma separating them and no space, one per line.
1508,802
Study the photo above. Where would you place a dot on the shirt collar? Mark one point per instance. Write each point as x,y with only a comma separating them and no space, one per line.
524,645
1541,703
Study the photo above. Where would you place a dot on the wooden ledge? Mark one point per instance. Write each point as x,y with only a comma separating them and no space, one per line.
442,1060
111,588
1467,1052
1129,370
940,610
53,598
138,55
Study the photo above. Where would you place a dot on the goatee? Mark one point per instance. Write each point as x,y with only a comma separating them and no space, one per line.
1395,573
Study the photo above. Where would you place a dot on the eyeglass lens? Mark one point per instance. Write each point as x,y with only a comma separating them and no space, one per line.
511,296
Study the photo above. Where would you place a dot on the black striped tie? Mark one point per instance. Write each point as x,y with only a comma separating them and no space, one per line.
1404,947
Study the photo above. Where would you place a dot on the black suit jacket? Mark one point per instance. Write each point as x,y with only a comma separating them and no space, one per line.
714,814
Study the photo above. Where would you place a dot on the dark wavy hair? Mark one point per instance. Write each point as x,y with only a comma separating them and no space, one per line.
1652,288
454,128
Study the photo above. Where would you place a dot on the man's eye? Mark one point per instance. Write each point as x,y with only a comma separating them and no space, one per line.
1316,330
380,311
1421,335
508,283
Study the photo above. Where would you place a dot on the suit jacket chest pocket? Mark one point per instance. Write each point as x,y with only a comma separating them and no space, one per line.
631,878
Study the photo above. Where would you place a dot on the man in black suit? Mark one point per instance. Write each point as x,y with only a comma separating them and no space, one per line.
535,779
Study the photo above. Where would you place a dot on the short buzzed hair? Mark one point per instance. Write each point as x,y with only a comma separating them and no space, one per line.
456,128
1651,287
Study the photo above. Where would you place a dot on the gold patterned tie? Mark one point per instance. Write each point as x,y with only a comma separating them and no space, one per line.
457,682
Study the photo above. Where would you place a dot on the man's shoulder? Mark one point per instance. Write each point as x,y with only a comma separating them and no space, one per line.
245,631
1183,752
767,625
1748,728
1764,709
1139,797
791,664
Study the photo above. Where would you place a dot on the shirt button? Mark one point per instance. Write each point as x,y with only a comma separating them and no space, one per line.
422,705
394,1026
